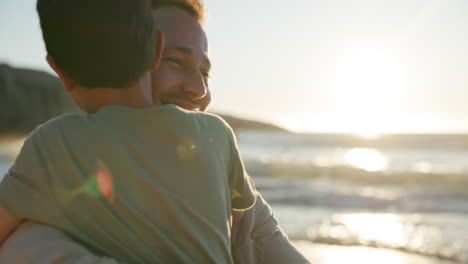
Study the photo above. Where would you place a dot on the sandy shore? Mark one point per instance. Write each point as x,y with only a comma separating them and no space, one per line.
329,254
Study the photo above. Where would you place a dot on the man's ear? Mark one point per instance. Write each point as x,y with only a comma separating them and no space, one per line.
68,83
159,50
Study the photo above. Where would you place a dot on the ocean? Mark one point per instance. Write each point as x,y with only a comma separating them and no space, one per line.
408,197
367,200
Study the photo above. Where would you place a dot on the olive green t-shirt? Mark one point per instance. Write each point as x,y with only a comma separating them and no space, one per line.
152,185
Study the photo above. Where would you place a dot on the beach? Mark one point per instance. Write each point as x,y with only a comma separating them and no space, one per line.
330,254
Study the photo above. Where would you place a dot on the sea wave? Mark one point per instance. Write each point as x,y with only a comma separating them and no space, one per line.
351,195
296,170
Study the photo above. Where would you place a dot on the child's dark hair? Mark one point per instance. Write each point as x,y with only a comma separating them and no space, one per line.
99,43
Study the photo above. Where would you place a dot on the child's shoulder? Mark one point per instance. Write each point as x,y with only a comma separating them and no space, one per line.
67,118
58,123
51,130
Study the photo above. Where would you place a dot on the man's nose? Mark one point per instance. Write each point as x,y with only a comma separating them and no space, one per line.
196,85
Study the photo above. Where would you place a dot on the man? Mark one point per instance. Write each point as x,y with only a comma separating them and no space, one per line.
181,79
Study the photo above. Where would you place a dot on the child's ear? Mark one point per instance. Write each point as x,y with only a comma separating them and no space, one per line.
159,50
68,83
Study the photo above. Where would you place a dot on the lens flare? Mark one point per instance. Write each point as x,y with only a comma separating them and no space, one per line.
99,184
235,194
186,150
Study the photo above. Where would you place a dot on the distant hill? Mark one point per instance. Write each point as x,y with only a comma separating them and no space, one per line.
30,97
239,124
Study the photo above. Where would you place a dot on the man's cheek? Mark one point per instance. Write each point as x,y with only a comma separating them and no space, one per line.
167,78
205,101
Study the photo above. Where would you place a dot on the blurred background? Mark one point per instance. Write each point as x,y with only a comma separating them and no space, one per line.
350,116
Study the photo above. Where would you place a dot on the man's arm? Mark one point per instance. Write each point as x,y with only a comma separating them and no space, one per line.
8,223
257,238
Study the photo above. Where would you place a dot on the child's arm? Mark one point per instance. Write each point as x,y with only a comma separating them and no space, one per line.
8,223
25,190
34,243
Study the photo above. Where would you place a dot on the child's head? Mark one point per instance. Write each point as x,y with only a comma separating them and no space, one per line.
99,43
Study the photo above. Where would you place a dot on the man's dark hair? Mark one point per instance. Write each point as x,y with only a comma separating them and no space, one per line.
99,43
195,8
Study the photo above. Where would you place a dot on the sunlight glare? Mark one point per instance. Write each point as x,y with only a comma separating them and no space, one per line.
369,134
366,159
367,90
385,228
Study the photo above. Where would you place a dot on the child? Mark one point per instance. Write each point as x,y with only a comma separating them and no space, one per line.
140,183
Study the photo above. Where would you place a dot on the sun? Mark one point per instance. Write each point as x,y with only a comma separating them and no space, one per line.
367,91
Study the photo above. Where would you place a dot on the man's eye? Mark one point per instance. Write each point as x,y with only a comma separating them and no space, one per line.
206,74
175,61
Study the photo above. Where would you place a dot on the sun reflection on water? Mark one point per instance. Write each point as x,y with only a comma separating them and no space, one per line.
385,228
381,238
366,159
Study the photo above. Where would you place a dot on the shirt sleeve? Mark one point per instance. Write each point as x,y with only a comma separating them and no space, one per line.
258,238
241,185
25,191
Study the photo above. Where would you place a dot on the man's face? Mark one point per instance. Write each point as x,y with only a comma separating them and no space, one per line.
182,76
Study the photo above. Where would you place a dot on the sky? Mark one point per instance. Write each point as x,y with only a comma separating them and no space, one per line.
360,66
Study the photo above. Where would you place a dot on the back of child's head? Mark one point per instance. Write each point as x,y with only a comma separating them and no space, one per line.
99,43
